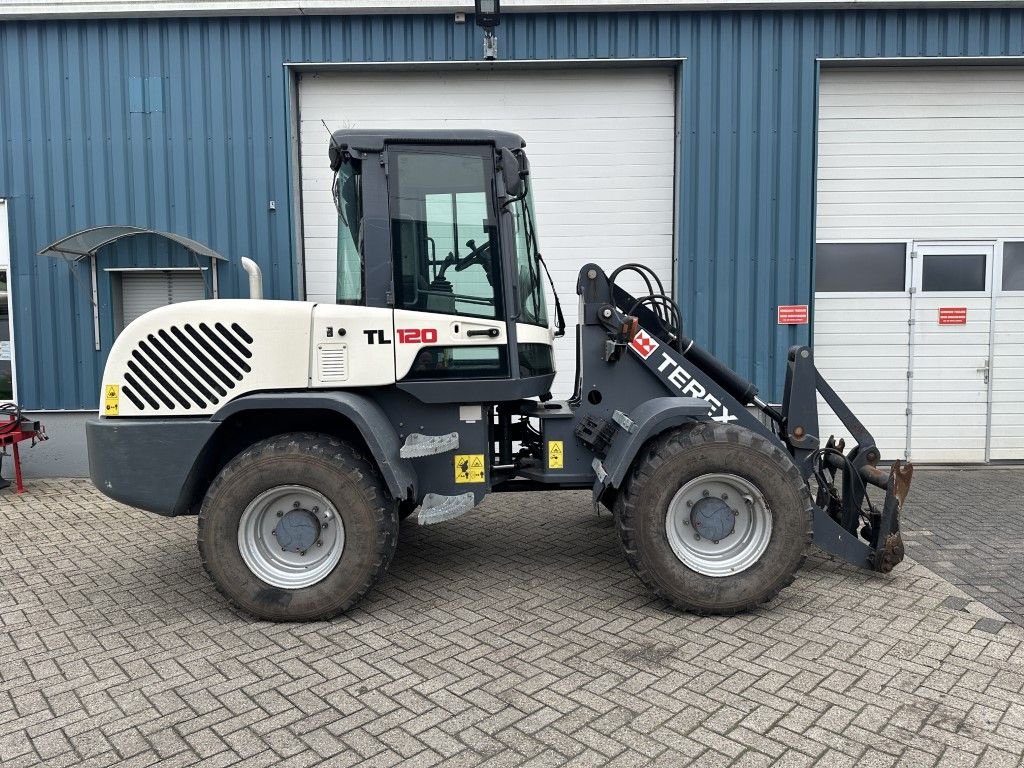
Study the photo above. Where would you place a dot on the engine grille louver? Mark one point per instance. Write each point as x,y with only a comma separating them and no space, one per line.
332,362
187,366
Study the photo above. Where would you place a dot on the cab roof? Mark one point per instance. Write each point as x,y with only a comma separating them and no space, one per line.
368,140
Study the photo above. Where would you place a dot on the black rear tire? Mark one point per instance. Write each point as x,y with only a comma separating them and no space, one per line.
333,469
666,465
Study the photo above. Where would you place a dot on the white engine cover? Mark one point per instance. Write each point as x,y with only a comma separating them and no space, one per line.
190,358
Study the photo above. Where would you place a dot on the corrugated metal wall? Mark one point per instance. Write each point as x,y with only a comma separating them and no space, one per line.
183,125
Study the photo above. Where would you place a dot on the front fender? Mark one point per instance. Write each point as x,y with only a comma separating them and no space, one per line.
650,418
366,416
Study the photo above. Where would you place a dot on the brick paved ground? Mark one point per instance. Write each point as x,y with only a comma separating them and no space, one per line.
514,637
967,525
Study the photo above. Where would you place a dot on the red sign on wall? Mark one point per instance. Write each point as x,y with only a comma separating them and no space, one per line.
793,314
952,315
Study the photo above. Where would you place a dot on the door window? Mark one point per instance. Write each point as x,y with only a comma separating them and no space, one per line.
1013,266
953,272
444,235
472,362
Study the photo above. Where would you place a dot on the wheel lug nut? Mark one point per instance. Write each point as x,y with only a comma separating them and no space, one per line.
696,536
725,496
706,493
295,505
316,510
689,503
735,513
320,543
715,541
274,532
686,522
280,513
324,526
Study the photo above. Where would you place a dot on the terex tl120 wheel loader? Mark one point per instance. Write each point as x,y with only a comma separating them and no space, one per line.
301,433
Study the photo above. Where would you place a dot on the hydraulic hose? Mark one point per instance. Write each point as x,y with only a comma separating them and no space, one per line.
743,390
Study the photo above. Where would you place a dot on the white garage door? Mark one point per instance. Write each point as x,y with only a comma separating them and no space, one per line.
602,154
919,187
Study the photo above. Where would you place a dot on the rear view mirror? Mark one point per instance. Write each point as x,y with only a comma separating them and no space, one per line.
514,170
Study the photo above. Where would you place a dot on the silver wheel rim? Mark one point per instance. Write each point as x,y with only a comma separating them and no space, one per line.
291,536
703,504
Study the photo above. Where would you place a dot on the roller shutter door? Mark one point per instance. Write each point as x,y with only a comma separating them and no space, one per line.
602,152
143,291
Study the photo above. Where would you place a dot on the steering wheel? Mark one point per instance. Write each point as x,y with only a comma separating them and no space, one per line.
477,255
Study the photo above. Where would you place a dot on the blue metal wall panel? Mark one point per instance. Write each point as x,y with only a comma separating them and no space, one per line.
183,125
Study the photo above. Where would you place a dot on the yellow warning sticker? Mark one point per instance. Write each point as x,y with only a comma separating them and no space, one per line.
556,456
469,468
111,399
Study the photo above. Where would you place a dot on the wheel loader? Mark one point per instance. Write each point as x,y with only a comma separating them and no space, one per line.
302,433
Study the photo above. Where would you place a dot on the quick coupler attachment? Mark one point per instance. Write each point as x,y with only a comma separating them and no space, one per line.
866,538
887,540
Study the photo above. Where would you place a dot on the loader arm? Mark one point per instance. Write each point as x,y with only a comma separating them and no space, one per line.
846,522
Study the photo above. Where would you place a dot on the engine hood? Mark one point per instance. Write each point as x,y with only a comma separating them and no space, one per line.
188,359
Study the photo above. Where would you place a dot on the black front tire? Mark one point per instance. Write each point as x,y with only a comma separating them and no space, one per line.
670,461
328,466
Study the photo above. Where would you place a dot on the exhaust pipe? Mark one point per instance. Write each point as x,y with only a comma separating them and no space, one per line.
252,269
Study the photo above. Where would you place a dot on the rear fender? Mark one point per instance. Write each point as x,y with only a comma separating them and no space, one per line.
647,420
365,415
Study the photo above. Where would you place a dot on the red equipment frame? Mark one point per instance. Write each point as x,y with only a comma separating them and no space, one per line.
13,431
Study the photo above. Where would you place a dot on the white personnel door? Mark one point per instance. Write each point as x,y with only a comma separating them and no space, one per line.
950,366
601,144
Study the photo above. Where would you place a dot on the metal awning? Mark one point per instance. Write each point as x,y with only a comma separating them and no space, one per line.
85,243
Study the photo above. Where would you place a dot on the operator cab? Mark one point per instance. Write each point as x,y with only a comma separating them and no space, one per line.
439,226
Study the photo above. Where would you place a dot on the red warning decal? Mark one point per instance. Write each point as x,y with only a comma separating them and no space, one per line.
952,315
792,314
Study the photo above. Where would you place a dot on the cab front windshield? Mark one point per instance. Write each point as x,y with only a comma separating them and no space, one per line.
532,308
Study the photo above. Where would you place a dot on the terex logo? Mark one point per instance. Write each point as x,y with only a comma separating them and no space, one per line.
682,381
643,344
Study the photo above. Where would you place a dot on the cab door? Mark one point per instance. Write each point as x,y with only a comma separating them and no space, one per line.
449,317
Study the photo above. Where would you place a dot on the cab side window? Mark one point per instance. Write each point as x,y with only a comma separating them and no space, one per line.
348,199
